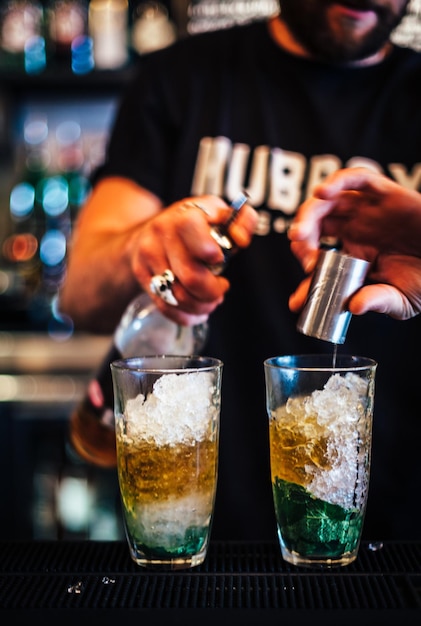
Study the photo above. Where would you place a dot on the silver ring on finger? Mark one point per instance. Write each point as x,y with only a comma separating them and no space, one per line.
161,286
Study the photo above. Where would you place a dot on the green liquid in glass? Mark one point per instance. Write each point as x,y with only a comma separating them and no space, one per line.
312,527
176,545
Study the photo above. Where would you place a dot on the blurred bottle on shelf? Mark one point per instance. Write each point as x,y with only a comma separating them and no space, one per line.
60,195
108,27
82,52
67,21
35,58
72,163
52,183
152,28
36,157
21,247
22,39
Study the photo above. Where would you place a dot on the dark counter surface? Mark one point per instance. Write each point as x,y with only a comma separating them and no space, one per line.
97,582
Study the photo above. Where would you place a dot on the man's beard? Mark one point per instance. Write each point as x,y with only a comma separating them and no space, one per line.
308,23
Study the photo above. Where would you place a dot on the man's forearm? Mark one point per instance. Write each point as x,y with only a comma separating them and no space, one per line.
99,279
97,290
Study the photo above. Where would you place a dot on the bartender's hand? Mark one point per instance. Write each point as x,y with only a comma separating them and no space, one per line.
178,240
375,219
124,236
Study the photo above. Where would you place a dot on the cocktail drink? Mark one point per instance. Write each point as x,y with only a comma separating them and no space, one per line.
167,428
320,426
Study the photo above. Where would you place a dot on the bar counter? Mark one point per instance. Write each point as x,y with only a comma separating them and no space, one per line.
96,582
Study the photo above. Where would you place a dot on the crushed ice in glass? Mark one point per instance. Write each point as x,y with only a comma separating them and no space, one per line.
178,410
333,418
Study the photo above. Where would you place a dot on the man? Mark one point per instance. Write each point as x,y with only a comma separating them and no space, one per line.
270,108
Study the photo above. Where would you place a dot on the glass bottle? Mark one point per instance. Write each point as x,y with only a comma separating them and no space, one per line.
67,21
22,44
108,28
152,27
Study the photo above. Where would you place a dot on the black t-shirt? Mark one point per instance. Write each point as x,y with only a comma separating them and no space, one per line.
230,110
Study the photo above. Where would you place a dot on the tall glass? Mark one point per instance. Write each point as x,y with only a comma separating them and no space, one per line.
167,430
320,423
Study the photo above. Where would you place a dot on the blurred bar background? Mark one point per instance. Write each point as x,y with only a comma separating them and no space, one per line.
63,67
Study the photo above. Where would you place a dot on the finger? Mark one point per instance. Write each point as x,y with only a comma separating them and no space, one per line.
218,212
193,244
180,316
244,226
307,222
190,251
380,298
147,259
298,298
356,179
306,255
174,299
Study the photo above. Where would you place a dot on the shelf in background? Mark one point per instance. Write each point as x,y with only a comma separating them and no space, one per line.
61,75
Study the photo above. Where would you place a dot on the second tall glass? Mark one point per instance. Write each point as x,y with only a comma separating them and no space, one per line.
320,422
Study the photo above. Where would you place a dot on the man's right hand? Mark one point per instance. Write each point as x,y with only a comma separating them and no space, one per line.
375,219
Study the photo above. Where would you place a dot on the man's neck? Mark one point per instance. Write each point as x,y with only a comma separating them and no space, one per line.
284,38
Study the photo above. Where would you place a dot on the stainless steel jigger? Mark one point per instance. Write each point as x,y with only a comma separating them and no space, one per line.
336,277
